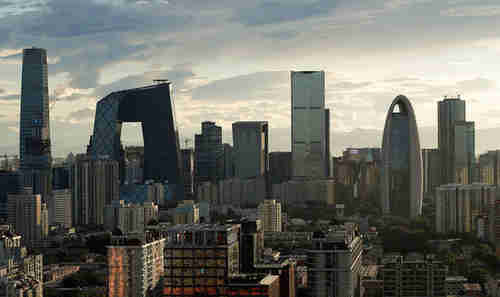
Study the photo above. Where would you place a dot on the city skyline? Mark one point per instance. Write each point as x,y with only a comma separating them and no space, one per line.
304,35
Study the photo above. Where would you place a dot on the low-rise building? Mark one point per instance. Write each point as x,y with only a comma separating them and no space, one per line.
454,285
187,212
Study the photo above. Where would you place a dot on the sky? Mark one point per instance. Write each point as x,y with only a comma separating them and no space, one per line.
230,60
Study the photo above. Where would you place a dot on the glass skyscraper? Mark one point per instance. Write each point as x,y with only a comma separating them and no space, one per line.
209,153
34,140
309,125
402,162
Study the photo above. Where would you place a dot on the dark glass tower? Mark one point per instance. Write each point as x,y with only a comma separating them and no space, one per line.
153,106
402,162
208,150
34,148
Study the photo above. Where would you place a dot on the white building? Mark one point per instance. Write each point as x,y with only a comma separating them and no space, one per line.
270,215
334,264
60,208
128,218
310,125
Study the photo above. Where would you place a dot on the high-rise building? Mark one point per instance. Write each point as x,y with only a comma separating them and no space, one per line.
135,266
95,183
60,208
402,161
250,140
270,215
455,142
61,177
34,145
152,106
458,208
228,161
11,182
251,244
328,160
334,262
208,149
413,277
208,255
309,132
280,167
187,212
489,168
25,216
188,170
431,167
128,218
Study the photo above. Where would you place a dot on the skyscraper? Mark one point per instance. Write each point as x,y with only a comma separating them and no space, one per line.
25,215
309,131
34,142
401,161
208,149
431,166
250,141
456,141
270,215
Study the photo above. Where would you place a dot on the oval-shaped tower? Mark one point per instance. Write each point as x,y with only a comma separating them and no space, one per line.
401,162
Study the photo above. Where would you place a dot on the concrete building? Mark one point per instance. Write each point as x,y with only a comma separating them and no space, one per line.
489,167
34,130
251,244
209,255
11,182
402,162
280,170
234,191
135,267
95,183
60,208
300,191
270,215
310,158
187,212
455,141
254,285
208,149
431,167
151,212
458,208
228,161
251,146
25,216
334,263
413,277
188,171
128,218
454,285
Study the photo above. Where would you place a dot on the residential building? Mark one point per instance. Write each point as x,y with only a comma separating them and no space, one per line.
402,161
208,255
454,285
95,183
250,140
135,266
489,167
413,277
208,149
310,157
300,191
60,208
187,212
270,215
334,262
128,218
34,128
25,216
254,285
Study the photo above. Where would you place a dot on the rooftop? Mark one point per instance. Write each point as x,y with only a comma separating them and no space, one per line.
200,227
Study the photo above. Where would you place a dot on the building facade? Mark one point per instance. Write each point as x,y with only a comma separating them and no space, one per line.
60,208
431,167
200,259
309,132
11,182
34,133
95,183
188,171
270,215
334,263
135,267
208,149
280,170
401,161
25,216
187,212
251,146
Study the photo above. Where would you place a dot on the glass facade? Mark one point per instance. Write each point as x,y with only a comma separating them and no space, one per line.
402,162
309,149
153,107
209,152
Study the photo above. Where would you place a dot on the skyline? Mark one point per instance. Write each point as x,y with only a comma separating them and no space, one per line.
236,62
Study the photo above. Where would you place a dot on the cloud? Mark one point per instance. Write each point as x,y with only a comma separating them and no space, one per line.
2,91
85,113
476,85
472,11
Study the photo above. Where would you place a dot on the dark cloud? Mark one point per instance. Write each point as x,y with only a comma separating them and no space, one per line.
278,11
